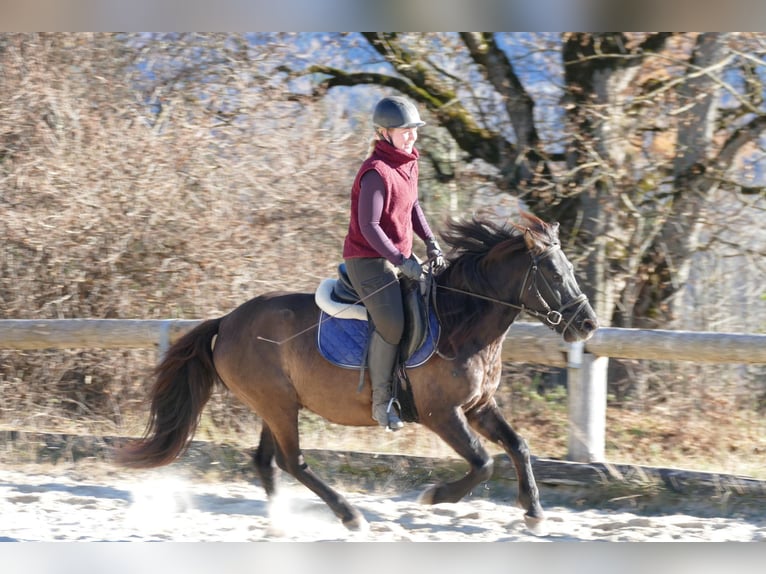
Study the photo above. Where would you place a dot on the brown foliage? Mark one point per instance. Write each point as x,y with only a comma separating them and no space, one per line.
111,211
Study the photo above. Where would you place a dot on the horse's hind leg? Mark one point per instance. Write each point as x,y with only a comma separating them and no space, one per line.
490,423
264,462
289,457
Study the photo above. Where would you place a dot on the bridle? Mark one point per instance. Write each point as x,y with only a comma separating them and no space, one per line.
552,317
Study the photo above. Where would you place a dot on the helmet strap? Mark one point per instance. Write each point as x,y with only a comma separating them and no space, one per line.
386,138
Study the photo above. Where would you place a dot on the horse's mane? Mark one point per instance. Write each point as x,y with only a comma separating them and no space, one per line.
477,247
478,236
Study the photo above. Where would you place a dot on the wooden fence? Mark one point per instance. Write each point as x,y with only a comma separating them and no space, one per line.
586,363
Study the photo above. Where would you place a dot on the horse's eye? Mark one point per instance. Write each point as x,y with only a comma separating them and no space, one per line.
554,276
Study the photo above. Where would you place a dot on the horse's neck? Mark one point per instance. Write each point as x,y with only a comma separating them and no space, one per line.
481,332
494,326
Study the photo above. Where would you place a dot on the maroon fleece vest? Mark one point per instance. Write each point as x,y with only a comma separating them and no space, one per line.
399,171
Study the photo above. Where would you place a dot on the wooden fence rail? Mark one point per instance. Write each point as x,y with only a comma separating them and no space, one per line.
28,334
526,342
586,363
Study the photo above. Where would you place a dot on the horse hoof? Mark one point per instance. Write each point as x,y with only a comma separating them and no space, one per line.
535,523
356,523
428,495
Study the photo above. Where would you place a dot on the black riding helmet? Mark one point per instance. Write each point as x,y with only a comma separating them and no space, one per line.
396,112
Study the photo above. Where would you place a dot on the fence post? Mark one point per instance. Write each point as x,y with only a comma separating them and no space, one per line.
164,343
586,392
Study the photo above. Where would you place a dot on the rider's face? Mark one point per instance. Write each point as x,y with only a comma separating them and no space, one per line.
403,138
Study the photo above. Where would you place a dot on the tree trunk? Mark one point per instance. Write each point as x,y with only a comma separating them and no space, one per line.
661,299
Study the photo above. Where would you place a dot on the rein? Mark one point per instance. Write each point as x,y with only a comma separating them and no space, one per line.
552,317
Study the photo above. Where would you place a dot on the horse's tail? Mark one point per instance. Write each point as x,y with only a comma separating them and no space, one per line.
184,383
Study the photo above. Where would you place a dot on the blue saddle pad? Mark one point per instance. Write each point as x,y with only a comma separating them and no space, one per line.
342,341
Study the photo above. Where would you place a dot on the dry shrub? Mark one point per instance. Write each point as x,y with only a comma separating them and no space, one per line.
110,211
703,417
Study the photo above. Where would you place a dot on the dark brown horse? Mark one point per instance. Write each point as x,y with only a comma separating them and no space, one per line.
494,274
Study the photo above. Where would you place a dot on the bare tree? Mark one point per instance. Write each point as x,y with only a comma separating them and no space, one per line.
649,128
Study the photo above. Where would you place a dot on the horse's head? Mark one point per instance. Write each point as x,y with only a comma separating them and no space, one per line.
519,267
550,291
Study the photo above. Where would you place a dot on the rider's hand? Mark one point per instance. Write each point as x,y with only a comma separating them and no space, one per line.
411,268
435,255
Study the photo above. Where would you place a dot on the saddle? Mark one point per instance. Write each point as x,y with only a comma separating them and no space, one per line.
338,301
344,331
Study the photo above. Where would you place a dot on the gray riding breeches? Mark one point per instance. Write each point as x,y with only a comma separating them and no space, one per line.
376,282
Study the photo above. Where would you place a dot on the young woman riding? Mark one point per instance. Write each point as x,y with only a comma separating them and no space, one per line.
385,214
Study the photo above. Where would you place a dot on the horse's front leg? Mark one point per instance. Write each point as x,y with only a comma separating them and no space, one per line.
489,422
454,430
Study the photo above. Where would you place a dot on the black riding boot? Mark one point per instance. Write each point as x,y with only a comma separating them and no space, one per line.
380,361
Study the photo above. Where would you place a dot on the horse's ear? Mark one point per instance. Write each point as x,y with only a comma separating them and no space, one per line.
555,229
529,239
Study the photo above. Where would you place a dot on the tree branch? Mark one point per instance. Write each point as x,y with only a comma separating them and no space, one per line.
498,70
738,139
341,78
428,87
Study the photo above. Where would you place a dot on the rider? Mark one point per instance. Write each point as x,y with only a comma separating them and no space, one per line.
384,214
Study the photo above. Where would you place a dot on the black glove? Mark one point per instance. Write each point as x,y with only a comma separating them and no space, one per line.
435,255
411,268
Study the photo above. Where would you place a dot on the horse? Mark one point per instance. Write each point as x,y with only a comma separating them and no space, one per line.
265,353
